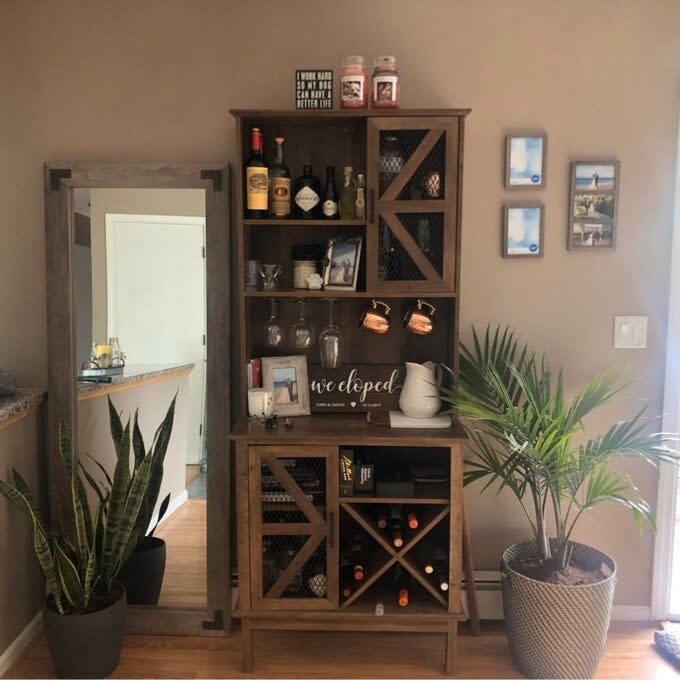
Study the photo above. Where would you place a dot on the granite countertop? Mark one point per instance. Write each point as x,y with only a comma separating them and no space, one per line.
24,402
133,373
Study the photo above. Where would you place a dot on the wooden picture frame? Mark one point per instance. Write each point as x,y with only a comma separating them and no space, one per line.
593,204
521,221
288,380
529,153
342,274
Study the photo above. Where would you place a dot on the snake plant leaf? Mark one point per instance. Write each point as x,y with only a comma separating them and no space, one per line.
137,442
107,477
115,424
71,586
161,513
83,524
92,482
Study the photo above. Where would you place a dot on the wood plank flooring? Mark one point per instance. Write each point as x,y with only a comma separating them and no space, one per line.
629,656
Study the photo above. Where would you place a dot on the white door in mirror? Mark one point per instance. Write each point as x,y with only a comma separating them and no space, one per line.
630,332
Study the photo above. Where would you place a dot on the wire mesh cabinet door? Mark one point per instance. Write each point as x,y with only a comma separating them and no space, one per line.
293,533
413,186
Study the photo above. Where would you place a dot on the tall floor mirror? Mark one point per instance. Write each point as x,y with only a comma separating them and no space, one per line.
138,314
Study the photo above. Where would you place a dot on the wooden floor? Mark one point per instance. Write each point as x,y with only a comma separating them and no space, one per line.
184,532
629,656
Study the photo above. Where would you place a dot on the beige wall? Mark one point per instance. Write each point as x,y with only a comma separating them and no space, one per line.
153,80
152,401
176,202
21,590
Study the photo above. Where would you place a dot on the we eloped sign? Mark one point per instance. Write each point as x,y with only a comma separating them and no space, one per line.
314,89
356,388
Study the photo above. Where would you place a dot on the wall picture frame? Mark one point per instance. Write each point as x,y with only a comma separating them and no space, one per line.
523,230
593,204
526,157
341,268
287,379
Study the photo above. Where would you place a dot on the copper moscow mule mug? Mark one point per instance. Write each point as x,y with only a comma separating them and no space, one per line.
418,320
375,320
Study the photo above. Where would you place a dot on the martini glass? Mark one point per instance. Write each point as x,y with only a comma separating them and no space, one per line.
330,342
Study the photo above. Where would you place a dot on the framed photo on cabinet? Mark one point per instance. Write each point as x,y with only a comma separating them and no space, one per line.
342,263
525,161
593,204
287,379
522,230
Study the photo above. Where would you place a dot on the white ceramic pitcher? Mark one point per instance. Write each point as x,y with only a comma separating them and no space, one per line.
419,396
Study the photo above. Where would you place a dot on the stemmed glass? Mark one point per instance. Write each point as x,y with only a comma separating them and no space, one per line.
330,342
273,329
303,331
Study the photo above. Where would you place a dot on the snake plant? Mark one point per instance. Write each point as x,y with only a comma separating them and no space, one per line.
529,438
81,561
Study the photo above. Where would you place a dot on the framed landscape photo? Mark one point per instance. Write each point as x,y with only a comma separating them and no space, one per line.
525,161
342,263
286,378
522,230
593,204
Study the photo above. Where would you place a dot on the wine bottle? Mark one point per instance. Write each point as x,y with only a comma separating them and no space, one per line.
279,184
412,520
330,196
441,574
307,195
346,577
382,518
257,178
396,526
402,584
360,202
348,196
356,555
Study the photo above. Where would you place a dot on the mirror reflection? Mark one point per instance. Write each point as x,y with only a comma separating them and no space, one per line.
140,313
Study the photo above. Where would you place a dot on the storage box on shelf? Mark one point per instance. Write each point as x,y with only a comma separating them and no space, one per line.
294,526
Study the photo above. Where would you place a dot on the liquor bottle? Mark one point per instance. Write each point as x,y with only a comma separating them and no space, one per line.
348,197
396,526
330,196
279,184
307,195
257,178
360,202
356,554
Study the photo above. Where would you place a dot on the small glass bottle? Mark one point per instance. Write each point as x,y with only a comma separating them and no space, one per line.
360,202
353,84
115,352
348,196
385,84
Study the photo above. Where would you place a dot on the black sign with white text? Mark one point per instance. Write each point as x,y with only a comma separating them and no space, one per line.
314,89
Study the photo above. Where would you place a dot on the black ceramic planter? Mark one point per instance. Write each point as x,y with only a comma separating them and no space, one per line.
87,645
142,574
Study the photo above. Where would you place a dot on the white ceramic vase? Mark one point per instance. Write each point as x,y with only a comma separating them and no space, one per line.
419,396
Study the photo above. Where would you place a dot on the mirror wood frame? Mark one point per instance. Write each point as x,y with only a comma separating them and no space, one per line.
60,178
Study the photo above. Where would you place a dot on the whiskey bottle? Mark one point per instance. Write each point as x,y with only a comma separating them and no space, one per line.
307,195
279,184
348,196
330,196
257,179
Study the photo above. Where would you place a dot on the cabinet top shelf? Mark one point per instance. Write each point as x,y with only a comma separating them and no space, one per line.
344,429
345,113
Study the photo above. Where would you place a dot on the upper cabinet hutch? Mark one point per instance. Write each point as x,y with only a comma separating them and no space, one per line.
292,522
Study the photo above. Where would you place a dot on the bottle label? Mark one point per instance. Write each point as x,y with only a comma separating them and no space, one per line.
330,208
306,199
280,196
256,188
352,89
385,89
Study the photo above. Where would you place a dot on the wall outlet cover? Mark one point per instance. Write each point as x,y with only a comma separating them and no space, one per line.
630,332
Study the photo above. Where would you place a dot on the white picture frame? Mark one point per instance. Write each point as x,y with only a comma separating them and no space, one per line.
287,379
526,160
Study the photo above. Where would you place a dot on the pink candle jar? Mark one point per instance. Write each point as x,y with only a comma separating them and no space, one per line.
353,84
385,84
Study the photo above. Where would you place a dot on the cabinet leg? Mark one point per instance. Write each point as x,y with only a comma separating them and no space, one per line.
451,648
247,651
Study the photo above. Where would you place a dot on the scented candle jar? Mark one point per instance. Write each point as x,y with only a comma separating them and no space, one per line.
385,86
353,84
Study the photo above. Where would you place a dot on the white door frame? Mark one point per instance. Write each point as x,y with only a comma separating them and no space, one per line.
667,491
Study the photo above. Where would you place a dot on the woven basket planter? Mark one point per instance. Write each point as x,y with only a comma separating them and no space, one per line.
556,631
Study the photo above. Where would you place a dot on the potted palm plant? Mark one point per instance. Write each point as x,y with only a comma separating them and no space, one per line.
143,571
528,438
85,605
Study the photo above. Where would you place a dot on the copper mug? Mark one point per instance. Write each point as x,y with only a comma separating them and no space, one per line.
418,320
375,320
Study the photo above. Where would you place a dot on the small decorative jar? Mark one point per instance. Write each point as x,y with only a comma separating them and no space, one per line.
353,84
385,84
302,269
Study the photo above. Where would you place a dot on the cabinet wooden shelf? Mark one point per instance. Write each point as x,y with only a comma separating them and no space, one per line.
290,552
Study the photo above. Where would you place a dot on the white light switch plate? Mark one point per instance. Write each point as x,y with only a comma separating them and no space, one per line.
630,332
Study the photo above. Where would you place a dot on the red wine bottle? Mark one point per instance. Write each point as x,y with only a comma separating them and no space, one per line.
396,526
357,552
402,585
257,178
346,578
412,520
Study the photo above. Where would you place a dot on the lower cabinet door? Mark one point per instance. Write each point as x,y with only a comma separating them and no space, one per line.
293,509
